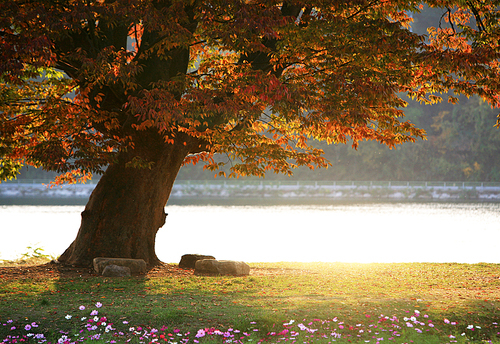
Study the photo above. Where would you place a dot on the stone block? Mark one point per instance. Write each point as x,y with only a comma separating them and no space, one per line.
222,267
116,271
188,261
136,266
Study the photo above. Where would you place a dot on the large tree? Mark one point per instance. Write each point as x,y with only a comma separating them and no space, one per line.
137,88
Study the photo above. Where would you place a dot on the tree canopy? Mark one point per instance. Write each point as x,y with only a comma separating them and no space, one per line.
256,80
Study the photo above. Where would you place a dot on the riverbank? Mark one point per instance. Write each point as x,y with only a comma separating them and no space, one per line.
285,190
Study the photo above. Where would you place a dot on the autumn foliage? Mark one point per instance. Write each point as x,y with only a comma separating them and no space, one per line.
88,85
256,80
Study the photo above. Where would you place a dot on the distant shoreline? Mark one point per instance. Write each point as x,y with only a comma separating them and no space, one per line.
200,192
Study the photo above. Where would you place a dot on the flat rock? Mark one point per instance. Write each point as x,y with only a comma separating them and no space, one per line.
136,266
222,267
116,271
188,261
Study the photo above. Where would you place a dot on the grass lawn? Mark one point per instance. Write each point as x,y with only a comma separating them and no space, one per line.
290,302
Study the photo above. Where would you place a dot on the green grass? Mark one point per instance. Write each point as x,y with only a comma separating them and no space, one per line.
354,293
34,255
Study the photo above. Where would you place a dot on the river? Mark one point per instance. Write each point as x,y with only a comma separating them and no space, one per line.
338,232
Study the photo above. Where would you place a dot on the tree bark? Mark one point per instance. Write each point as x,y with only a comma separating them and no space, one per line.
126,208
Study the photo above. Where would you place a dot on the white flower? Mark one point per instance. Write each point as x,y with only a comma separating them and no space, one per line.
470,327
62,339
68,316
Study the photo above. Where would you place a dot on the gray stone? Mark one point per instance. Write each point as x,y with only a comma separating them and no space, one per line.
136,266
222,267
188,261
116,271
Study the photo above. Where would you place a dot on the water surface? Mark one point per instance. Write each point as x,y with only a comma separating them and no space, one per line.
364,232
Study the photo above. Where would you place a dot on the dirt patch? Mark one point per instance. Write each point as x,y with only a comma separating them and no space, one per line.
56,271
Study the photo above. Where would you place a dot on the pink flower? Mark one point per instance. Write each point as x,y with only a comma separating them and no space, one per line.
200,333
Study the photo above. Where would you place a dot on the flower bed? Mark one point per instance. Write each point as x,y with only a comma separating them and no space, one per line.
409,327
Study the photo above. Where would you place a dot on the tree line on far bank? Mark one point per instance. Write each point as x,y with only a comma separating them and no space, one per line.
462,145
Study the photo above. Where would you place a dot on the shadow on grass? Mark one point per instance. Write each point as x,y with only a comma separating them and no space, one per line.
52,294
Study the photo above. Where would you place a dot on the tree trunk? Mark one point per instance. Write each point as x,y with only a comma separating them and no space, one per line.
126,208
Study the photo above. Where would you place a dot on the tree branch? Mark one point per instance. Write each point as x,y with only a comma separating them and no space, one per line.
479,21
